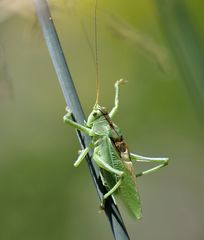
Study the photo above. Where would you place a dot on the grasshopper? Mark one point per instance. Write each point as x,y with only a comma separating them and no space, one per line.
112,155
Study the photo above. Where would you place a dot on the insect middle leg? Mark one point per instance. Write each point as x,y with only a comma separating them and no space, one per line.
83,154
162,163
115,108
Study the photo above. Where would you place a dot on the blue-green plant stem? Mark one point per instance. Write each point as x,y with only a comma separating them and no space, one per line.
72,100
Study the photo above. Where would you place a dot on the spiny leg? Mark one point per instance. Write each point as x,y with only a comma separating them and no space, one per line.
163,162
110,169
83,154
68,119
115,108
105,165
110,192
151,170
140,158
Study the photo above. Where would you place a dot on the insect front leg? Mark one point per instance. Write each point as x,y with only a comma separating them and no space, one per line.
162,163
115,108
69,120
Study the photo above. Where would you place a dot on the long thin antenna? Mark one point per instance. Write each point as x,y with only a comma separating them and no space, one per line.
96,52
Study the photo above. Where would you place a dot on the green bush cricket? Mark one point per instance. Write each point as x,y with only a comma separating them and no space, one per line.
112,155
110,151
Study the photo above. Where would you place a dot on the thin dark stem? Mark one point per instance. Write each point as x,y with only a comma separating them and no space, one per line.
72,100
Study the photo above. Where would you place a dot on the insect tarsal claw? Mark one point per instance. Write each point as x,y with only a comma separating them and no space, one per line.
68,110
68,114
79,151
122,81
102,205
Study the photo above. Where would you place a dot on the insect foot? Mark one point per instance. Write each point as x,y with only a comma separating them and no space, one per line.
102,205
121,81
68,110
68,115
79,152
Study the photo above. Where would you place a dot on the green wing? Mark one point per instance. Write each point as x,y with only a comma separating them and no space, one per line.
127,191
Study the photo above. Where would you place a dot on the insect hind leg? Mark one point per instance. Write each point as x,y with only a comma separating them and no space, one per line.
102,164
110,192
162,163
105,165
151,170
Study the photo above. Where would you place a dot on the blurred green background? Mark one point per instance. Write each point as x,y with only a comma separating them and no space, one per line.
158,47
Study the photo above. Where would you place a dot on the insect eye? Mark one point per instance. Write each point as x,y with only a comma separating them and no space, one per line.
95,114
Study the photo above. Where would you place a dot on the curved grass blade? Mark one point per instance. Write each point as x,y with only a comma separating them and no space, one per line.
186,46
149,48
